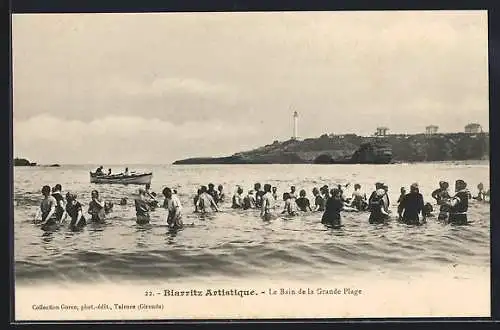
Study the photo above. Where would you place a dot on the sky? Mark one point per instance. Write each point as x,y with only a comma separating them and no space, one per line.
152,88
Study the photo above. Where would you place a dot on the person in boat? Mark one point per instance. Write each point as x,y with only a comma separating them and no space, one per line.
249,201
442,197
319,201
195,200
480,194
109,171
206,203
151,197
212,192
275,193
142,207
290,207
99,171
303,202
267,208
376,207
237,199
96,208
412,206
174,208
123,201
48,209
221,196
358,198
459,204
61,207
334,204
258,194
75,211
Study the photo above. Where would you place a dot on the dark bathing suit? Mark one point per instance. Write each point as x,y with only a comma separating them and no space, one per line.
303,204
413,205
400,203
141,211
235,204
247,203
98,213
214,195
72,211
258,198
331,216
359,202
59,209
45,207
441,196
320,201
458,213
376,206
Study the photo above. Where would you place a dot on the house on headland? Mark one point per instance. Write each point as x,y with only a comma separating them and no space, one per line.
431,129
381,131
473,128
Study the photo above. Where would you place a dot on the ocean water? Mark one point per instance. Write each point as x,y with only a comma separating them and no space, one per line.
238,245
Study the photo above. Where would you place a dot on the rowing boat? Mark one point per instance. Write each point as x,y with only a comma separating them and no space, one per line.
139,178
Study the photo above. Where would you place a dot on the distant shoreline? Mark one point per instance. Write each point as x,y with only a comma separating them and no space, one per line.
478,161
23,162
341,149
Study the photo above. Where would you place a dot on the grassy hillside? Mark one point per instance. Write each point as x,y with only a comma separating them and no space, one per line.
405,148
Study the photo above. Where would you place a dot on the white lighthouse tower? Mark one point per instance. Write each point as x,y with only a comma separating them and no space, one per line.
295,125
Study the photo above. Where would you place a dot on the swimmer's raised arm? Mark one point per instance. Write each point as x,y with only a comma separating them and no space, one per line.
435,195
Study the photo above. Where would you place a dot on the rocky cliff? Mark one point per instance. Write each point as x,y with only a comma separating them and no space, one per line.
23,162
346,148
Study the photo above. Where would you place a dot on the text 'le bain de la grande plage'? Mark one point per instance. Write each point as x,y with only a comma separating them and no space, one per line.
252,292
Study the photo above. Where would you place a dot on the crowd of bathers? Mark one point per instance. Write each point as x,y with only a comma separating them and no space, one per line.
56,208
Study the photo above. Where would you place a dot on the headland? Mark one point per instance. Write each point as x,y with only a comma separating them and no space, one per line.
26,162
355,149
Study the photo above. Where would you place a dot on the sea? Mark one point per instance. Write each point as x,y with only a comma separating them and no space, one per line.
235,245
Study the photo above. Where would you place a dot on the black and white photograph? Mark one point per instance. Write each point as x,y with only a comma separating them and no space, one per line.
243,165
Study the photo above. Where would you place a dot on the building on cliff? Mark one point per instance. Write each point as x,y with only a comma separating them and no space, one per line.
381,131
431,129
473,128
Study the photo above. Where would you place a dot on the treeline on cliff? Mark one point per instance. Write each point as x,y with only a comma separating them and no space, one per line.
443,147
419,147
329,149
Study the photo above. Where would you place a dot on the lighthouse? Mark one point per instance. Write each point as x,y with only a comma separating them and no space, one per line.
295,125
